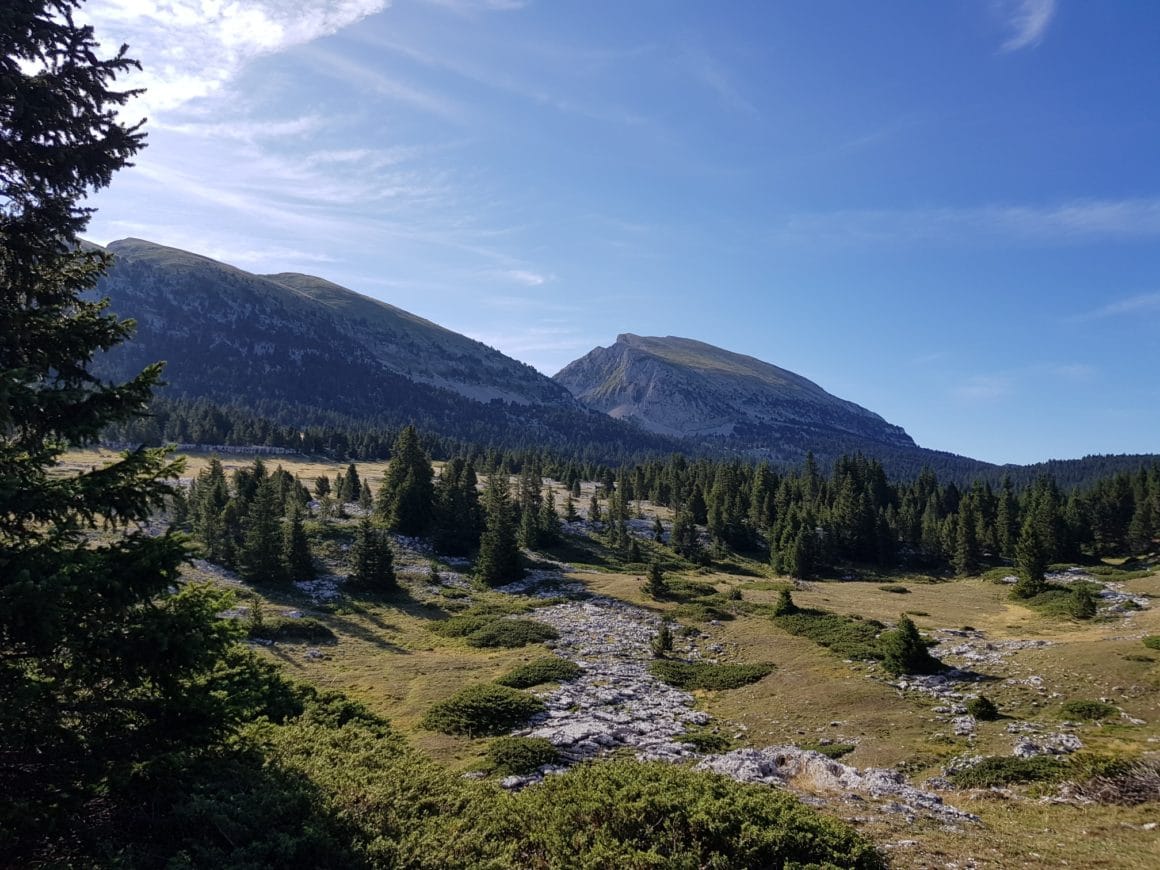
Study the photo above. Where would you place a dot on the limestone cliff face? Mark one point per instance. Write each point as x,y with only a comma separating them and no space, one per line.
680,387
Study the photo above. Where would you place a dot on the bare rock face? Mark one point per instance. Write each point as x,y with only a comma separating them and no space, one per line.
685,388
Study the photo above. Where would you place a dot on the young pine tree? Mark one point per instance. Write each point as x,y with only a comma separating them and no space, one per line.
655,584
261,556
904,651
499,553
371,562
297,560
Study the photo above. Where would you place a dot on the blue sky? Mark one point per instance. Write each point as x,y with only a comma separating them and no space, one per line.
947,212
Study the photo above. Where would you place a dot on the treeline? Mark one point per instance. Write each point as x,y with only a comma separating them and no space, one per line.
813,522
312,431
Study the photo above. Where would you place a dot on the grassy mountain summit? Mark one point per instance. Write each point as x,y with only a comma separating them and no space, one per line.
686,388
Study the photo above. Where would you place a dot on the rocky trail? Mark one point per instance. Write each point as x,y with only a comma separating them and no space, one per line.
617,704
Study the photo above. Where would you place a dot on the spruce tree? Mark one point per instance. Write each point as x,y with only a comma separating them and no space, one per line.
1082,604
261,556
662,644
499,554
658,530
685,540
1031,557
784,606
353,484
655,584
407,494
904,651
549,521
594,510
371,561
297,560
106,657
570,515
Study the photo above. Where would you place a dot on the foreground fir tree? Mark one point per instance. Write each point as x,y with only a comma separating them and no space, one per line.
105,660
262,551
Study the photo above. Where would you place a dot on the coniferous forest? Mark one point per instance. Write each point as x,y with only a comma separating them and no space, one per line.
405,644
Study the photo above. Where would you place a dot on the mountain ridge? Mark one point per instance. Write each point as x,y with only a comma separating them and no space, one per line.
687,388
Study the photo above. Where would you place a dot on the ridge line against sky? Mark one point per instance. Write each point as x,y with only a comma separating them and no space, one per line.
947,213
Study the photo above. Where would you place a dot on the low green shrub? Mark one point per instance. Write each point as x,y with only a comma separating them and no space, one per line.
633,814
681,589
514,756
703,675
1152,641
983,709
282,629
1089,711
1133,657
463,624
896,588
700,611
1006,770
483,710
511,633
848,637
550,669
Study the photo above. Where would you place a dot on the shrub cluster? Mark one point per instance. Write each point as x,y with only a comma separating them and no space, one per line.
983,709
508,756
483,710
703,675
550,669
1152,641
1089,711
283,629
511,633
896,588
846,636
1005,770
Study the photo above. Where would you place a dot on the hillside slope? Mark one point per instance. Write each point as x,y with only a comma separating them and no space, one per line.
692,390
301,349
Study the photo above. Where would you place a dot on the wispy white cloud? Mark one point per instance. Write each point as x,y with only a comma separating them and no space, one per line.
985,388
716,78
193,48
526,277
1071,223
1143,303
1026,22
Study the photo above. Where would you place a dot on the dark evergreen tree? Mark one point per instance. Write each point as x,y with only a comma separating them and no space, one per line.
407,495
321,486
549,521
570,515
655,584
594,510
261,556
297,560
1031,557
353,484
106,658
1082,604
499,554
784,606
658,530
371,561
904,651
685,540
634,551
662,644
966,540
458,516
